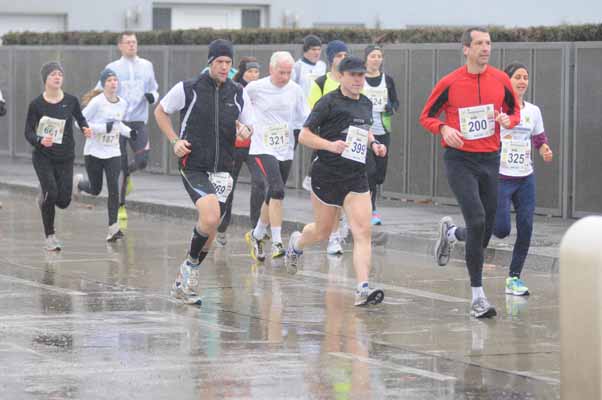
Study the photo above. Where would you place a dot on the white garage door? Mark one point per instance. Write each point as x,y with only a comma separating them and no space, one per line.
32,22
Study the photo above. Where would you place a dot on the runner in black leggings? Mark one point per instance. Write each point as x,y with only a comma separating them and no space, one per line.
104,111
49,129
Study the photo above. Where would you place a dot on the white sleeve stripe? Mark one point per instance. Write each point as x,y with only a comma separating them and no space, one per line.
187,115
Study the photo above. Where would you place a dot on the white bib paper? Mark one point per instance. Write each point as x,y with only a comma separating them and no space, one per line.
275,137
357,144
477,122
378,96
52,126
515,159
109,138
222,183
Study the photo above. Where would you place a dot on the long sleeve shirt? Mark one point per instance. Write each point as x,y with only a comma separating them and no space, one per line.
477,97
98,112
58,119
136,77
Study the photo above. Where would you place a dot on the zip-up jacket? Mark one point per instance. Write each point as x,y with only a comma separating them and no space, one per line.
208,114
462,89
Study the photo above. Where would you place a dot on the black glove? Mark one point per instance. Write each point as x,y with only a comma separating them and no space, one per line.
109,126
389,108
133,134
149,97
2,108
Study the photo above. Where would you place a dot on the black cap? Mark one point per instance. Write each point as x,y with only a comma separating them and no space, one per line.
219,48
310,41
352,64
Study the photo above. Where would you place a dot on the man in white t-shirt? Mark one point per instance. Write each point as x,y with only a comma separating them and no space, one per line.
280,107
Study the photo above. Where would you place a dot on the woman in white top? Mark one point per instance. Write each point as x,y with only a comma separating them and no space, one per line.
517,181
105,111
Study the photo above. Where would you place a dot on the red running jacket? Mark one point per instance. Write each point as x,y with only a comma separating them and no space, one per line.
461,89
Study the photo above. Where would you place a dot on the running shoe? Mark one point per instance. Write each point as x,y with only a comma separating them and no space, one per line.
129,186
53,244
187,277
481,308
220,239
255,247
122,214
368,296
292,256
516,287
334,245
77,178
277,250
376,218
114,233
444,246
307,183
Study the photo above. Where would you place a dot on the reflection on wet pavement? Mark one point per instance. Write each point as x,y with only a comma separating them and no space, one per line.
96,322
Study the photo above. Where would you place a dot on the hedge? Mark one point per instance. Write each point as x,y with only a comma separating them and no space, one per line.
562,33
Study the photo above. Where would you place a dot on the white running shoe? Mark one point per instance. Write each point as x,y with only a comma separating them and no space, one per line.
307,183
334,245
77,178
53,244
114,233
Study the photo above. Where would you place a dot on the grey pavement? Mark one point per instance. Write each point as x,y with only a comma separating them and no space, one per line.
406,225
96,320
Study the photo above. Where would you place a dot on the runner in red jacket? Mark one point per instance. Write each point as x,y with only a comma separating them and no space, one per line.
476,98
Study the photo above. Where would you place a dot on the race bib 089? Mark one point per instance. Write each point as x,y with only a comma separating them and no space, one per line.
477,122
357,144
222,183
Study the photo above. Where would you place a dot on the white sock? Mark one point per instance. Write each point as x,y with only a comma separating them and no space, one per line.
477,292
260,230
362,285
451,234
276,238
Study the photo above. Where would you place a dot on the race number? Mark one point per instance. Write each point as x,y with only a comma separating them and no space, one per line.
109,138
378,96
357,144
477,122
516,156
222,183
51,126
276,137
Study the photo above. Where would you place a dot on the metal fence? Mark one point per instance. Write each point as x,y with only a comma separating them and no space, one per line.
566,83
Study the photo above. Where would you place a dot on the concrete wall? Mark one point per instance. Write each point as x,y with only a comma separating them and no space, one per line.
565,82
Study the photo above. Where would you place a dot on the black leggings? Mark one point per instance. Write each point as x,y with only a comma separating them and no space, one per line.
112,168
473,177
56,182
274,173
241,155
140,148
377,167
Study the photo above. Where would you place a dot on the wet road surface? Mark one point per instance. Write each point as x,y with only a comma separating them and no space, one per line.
96,321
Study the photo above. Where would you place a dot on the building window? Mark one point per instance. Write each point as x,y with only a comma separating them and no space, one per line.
251,19
161,19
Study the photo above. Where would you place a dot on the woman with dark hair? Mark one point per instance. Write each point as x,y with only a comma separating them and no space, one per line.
49,130
380,89
248,71
517,180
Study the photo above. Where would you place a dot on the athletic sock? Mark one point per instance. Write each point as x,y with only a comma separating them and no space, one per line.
477,292
260,230
276,238
202,255
197,242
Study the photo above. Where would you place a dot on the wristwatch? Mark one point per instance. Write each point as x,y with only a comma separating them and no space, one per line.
374,141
